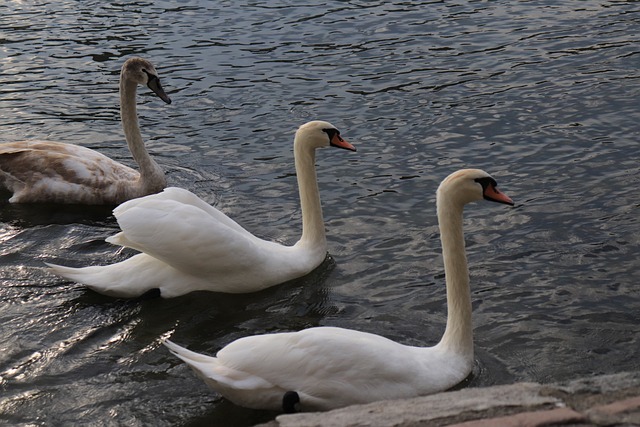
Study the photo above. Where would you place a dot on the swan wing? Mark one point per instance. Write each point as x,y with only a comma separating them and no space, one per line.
30,161
58,172
43,147
185,237
319,352
328,367
185,197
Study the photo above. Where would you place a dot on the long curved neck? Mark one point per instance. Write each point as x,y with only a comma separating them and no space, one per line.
313,234
150,172
458,335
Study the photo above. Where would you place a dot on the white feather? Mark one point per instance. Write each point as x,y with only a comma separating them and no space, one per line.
333,367
188,245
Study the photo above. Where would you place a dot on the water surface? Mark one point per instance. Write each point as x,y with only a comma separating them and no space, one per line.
542,95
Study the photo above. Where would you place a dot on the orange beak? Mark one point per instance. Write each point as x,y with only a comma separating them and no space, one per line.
338,141
493,194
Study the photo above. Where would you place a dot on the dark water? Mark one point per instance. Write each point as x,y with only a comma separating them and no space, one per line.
542,94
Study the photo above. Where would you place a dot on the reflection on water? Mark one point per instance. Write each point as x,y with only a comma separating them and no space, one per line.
541,94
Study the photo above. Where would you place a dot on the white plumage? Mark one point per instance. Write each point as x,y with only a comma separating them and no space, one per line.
56,172
325,367
188,245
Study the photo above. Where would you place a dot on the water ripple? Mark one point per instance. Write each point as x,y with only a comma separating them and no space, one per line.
525,90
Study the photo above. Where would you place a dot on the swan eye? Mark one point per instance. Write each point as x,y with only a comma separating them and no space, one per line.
333,133
486,182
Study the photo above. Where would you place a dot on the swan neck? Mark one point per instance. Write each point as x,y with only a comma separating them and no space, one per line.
313,233
150,171
458,335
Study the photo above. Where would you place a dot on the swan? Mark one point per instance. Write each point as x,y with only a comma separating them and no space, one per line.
188,245
56,172
325,368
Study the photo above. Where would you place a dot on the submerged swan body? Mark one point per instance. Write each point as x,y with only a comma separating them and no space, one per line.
55,172
325,367
188,245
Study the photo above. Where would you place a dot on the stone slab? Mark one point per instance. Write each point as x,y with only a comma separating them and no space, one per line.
598,400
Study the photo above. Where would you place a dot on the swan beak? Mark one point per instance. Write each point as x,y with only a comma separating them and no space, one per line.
156,87
493,194
338,141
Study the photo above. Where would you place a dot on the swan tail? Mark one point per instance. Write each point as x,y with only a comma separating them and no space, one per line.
187,356
120,239
204,366
106,280
217,376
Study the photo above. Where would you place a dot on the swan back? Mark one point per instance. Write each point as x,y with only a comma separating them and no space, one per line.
327,367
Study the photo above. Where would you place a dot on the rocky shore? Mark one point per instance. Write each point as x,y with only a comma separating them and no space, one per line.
606,400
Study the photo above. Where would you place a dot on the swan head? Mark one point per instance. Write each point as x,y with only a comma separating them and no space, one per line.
318,133
142,72
469,185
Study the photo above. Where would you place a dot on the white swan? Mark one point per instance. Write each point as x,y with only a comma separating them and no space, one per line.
325,367
188,245
56,172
